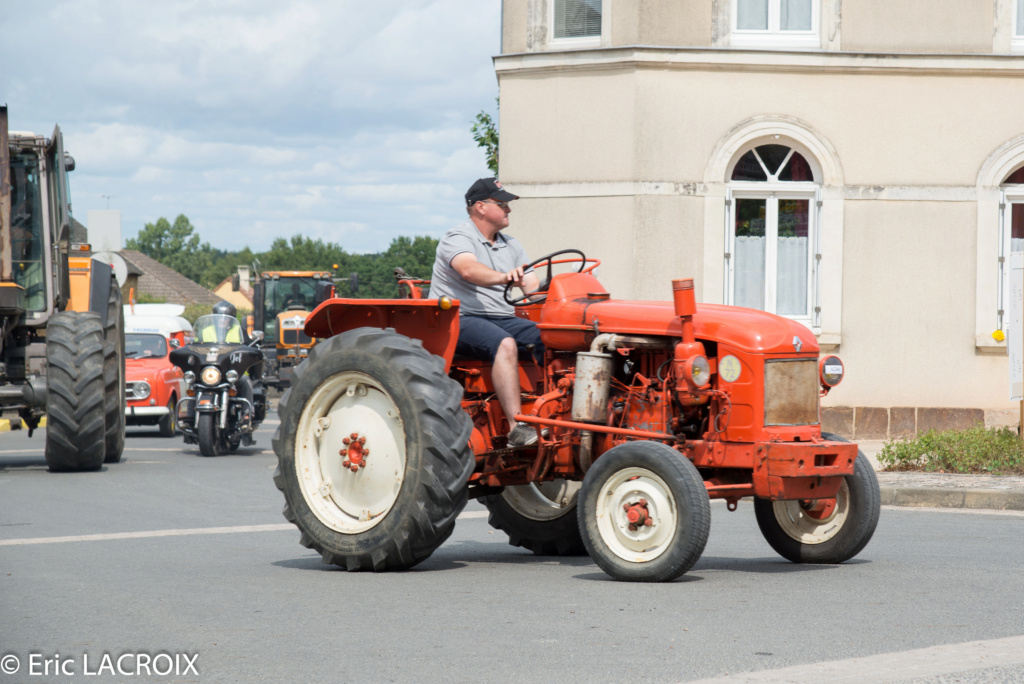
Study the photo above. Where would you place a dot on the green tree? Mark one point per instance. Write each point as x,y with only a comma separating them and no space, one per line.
175,245
485,133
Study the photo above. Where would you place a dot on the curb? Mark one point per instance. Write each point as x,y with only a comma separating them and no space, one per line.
934,497
9,424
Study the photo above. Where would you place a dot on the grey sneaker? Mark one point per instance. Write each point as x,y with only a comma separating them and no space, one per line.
522,434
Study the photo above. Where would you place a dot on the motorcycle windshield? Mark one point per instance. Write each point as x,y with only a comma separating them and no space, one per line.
217,329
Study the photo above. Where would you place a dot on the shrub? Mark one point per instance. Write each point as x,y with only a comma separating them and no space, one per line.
975,450
194,311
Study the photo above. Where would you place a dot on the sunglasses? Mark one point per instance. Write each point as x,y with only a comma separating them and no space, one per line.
503,205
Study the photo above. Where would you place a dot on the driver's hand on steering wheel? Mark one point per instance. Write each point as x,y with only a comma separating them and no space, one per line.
515,276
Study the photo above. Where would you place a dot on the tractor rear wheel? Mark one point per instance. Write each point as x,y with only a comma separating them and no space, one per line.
113,376
539,517
644,512
823,531
373,451
75,425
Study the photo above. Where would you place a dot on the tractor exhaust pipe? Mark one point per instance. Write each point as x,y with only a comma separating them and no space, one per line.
6,252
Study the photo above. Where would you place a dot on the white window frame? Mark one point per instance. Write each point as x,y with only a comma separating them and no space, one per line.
1012,194
775,37
773,192
1016,39
581,42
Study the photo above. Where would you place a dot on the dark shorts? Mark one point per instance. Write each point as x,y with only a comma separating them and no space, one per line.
480,336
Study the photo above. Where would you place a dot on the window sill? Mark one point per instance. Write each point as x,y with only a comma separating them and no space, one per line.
573,43
828,342
984,344
775,41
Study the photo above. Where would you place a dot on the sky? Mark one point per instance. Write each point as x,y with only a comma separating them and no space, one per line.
344,120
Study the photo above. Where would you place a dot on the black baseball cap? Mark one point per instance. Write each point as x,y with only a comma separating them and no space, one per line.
488,188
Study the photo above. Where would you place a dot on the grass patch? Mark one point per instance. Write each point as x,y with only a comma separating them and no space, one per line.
987,451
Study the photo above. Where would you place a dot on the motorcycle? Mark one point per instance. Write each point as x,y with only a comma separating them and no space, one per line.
225,401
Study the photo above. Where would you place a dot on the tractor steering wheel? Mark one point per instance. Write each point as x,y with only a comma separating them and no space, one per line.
527,299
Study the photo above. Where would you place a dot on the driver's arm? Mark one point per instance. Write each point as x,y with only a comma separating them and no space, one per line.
472,271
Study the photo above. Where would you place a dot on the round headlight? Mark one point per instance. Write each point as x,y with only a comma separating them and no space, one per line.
231,375
210,375
699,371
830,369
190,377
140,390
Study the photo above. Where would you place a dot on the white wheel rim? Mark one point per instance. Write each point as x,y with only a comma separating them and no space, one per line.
544,502
806,529
627,487
343,500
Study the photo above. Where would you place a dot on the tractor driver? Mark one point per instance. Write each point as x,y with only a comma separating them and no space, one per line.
474,263
295,300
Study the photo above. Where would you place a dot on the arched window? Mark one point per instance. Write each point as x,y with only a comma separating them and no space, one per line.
772,245
1011,238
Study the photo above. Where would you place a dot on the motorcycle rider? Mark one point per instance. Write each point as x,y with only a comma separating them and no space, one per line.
222,330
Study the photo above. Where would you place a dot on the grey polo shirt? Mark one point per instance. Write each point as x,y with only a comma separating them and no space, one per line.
505,254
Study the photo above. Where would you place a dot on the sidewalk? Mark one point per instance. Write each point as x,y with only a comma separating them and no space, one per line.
944,490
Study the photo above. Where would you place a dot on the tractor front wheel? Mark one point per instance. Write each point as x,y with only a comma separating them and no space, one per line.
539,517
75,426
644,512
373,451
825,530
113,376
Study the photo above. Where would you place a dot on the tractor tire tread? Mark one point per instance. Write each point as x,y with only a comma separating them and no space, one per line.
75,398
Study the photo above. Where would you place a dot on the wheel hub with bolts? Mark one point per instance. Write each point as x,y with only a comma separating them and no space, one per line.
356,452
637,515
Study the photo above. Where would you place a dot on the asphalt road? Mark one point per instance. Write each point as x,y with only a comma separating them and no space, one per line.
172,553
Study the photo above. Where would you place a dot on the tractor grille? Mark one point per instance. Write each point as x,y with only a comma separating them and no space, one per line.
129,391
295,336
791,392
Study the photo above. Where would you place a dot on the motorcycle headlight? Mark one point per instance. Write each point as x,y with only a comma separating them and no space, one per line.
232,376
210,375
699,371
140,390
190,377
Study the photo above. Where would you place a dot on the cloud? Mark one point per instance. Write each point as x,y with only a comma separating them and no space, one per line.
344,120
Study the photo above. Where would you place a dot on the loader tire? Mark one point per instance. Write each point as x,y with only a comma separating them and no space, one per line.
384,389
539,517
113,376
843,531
75,426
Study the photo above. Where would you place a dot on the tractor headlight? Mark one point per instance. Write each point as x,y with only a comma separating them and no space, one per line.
830,370
190,377
210,375
232,376
698,371
140,390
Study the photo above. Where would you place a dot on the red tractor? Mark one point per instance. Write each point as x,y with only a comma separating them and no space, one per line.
644,412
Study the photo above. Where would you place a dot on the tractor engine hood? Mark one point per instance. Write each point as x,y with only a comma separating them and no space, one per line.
572,323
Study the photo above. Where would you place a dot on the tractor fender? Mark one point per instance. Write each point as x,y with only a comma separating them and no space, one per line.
91,281
422,319
99,289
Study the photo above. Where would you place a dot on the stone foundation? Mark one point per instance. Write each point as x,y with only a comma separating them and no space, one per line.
906,422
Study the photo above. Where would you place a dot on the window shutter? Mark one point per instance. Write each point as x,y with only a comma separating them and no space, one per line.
577,18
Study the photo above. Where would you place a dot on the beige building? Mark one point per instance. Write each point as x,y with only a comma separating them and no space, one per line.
853,165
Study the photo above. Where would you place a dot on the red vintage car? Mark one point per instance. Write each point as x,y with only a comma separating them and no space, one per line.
153,385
